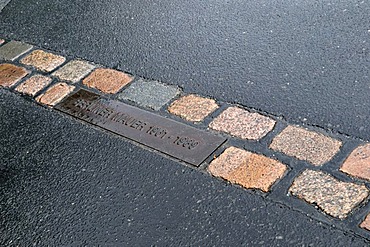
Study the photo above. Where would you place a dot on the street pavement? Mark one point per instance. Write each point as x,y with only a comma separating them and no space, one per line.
306,61
64,183
69,184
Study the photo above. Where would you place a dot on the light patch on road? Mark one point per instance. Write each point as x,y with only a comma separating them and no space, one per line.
3,3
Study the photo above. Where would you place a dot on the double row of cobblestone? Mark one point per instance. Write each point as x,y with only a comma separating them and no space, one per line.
49,78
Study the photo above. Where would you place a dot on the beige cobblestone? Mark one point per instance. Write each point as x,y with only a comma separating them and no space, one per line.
34,84
243,124
334,197
74,71
193,108
306,145
43,61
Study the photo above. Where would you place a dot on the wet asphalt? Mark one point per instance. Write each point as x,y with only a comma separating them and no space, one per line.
64,183
3,3
306,61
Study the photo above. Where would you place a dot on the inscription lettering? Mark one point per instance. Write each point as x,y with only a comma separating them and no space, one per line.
119,117
157,131
176,139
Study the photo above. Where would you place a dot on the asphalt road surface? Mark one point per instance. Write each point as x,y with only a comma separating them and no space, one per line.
307,61
67,184
64,183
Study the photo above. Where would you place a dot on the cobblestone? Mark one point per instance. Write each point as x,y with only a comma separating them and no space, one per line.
11,74
33,85
243,124
43,61
306,145
13,49
193,108
150,94
107,80
358,163
366,223
74,71
55,94
334,197
252,171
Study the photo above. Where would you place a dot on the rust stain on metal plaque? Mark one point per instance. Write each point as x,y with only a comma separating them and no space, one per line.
168,136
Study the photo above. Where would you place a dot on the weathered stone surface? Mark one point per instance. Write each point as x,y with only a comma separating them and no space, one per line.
34,84
11,74
358,163
306,145
55,94
334,197
13,49
193,108
43,61
243,124
150,94
74,71
252,171
107,80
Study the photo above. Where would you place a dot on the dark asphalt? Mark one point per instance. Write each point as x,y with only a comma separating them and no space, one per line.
64,183
307,61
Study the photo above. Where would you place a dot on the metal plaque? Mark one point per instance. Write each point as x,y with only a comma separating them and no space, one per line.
168,136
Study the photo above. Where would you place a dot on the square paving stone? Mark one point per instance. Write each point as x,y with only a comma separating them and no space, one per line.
151,94
107,80
33,85
74,71
55,94
334,197
43,61
306,145
243,124
13,49
358,162
11,74
193,108
250,170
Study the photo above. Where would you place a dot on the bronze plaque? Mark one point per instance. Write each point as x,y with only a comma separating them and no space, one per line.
166,135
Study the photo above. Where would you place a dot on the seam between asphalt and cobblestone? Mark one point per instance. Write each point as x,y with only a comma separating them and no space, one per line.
306,168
